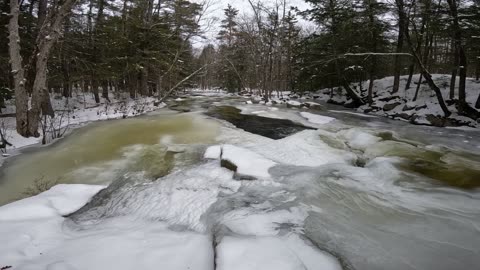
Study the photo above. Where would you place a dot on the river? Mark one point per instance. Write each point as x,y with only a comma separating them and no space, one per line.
373,193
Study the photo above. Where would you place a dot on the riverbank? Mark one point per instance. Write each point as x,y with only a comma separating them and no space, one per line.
72,113
425,110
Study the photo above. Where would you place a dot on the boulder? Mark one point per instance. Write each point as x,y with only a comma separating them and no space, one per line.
390,106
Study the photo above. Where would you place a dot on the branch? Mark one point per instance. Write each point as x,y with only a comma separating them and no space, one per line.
379,54
181,82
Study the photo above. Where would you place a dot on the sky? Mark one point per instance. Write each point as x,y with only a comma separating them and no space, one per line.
214,14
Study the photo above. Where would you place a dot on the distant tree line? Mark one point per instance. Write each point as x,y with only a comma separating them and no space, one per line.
355,41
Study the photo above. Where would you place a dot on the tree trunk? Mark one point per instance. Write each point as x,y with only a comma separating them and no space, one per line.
425,73
94,85
477,70
402,24
42,12
453,78
21,96
49,34
411,69
460,53
419,84
105,90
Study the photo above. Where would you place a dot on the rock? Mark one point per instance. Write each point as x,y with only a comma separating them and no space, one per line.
313,106
402,116
332,101
408,108
421,107
225,163
436,121
294,104
390,106
351,105
157,103
368,110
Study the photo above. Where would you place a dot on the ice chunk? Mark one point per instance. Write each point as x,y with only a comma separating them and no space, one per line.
247,162
213,152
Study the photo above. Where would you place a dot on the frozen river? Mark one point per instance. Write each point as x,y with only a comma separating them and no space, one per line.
335,190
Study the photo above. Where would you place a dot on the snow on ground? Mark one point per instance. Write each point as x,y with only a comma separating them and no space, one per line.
316,118
401,105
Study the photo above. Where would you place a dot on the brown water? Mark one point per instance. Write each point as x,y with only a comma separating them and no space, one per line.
101,151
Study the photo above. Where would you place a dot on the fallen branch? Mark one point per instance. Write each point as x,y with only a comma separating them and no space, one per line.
181,82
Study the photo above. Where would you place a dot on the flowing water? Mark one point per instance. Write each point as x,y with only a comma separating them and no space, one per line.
102,151
409,199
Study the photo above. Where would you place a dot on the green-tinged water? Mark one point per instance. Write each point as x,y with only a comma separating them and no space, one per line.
101,151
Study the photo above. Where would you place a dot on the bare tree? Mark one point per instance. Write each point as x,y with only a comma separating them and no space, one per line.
28,120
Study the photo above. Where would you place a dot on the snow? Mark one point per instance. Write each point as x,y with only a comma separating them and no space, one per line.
247,161
213,152
406,109
358,139
316,118
304,148
59,200
294,103
279,253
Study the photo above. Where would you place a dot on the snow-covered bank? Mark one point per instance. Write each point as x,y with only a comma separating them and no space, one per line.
76,111
400,106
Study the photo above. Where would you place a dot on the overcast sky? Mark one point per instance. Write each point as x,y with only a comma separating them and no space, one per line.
215,13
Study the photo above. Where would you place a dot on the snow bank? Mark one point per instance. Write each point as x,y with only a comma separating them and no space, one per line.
78,110
57,201
316,118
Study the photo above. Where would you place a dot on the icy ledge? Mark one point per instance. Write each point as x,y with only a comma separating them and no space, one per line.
246,163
